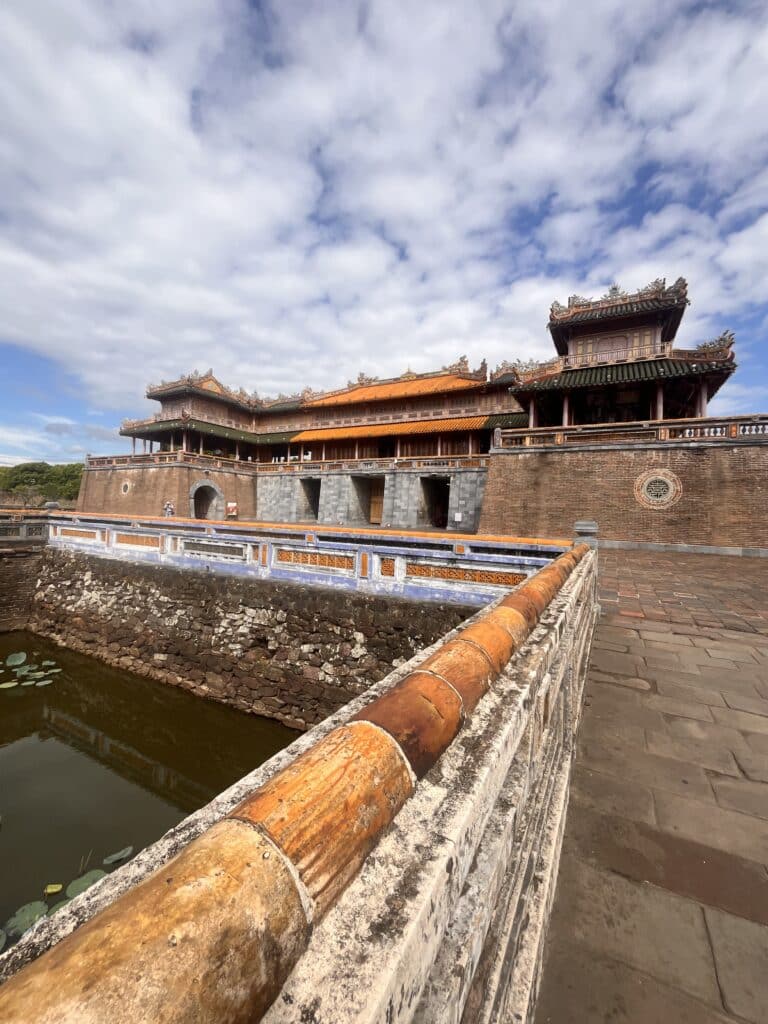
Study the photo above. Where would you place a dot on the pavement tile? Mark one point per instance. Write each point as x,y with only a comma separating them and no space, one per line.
754,766
706,755
742,795
755,705
741,955
659,639
681,691
641,852
644,927
742,720
757,742
610,661
713,826
587,988
698,656
648,769
681,708
621,797
628,682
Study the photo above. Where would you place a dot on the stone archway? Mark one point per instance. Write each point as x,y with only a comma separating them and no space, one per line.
206,500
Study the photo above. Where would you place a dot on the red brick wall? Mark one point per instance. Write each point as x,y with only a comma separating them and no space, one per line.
149,487
724,498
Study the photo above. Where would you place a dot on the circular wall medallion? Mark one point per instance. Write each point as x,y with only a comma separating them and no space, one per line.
658,488
126,487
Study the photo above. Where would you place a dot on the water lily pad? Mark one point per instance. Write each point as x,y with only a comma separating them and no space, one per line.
22,671
46,663
52,888
25,917
29,682
59,905
51,671
8,685
115,858
16,659
84,881
43,682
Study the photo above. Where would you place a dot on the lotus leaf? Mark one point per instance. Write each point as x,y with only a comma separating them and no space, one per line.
7,686
52,670
28,682
115,858
16,659
58,906
46,663
52,888
25,917
43,682
84,882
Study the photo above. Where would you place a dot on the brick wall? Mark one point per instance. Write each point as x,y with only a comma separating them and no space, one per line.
723,501
149,487
19,569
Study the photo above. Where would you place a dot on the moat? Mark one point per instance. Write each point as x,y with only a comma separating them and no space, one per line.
96,761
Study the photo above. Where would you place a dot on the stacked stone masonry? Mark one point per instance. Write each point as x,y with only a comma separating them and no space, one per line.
292,653
19,570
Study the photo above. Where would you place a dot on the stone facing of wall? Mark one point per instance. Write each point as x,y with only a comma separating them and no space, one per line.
722,501
292,653
214,933
281,498
19,568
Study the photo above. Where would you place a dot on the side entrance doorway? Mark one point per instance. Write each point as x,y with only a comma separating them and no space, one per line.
206,501
369,495
436,494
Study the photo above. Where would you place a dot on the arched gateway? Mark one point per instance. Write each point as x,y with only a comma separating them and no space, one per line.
206,501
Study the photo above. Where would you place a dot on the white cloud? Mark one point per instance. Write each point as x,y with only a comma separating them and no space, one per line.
293,193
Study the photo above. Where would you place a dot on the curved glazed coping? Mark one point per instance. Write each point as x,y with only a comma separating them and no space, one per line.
214,932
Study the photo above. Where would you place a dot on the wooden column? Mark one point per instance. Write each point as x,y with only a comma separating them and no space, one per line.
439,445
237,450
323,456
659,410
301,453
144,445
397,448
566,409
702,399
469,444
133,444
170,443
184,441
532,417
151,446
357,449
201,444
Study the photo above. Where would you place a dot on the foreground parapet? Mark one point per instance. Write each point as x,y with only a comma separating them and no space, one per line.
486,723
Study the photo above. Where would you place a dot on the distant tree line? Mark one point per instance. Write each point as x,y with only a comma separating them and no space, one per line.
31,480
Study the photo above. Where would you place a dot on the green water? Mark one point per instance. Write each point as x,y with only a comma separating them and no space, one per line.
100,760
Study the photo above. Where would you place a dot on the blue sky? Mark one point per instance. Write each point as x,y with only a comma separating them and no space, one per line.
293,193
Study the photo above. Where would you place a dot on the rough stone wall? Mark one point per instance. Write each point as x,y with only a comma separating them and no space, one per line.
149,487
289,652
723,498
19,568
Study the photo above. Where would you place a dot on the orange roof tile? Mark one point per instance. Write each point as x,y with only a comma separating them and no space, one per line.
392,429
397,389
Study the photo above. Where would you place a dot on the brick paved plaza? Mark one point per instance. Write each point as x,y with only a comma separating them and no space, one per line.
661,912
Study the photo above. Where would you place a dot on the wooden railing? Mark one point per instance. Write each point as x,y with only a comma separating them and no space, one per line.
731,428
315,466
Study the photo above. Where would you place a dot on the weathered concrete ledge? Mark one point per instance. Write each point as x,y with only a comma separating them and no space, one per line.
422,773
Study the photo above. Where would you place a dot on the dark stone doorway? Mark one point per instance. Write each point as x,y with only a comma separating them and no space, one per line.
436,492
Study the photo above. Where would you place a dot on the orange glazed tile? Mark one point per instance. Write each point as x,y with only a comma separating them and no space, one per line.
514,622
422,713
465,667
210,936
521,602
493,638
328,808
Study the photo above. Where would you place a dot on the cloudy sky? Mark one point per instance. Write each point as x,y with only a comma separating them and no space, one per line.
291,193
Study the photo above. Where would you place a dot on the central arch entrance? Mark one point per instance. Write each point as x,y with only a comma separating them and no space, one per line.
206,501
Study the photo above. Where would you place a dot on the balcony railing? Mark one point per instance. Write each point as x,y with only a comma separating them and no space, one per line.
433,462
732,428
618,355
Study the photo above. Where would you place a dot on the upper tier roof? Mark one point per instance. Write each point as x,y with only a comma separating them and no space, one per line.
655,301
400,387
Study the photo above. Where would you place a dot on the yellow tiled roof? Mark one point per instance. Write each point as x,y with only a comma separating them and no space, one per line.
392,429
397,389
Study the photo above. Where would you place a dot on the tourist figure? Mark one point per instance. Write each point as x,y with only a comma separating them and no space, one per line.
168,509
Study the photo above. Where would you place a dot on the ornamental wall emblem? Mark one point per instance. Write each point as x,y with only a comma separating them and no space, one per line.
658,489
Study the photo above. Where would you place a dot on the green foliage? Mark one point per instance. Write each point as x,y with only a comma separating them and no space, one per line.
39,479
